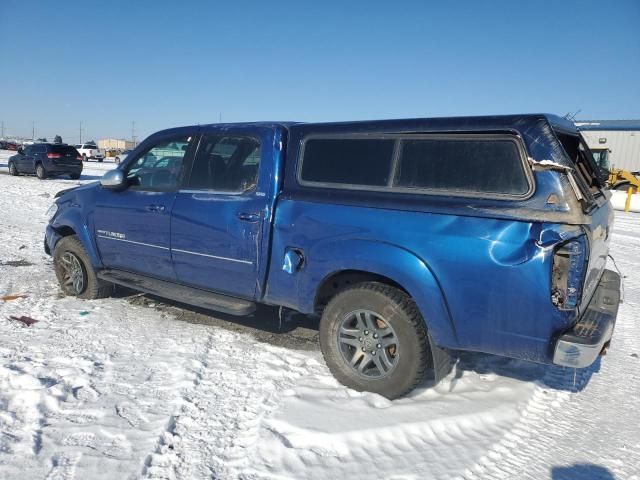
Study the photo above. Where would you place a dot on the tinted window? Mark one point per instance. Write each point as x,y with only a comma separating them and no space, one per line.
483,166
347,161
38,149
159,167
225,164
63,150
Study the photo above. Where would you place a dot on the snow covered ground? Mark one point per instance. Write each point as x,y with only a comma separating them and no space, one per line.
130,387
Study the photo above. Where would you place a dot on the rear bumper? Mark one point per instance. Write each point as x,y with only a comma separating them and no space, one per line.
60,169
580,346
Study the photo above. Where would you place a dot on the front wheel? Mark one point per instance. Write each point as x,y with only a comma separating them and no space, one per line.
13,170
374,339
100,160
75,272
41,173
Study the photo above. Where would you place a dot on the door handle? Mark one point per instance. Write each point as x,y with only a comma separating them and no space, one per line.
154,208
249,217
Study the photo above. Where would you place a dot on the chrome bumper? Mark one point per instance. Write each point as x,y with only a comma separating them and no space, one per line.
580,346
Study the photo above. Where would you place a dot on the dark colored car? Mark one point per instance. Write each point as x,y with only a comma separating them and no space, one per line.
8,145
45,159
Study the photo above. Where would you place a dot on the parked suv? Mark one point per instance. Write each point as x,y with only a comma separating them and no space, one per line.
411,238
46,159
90,151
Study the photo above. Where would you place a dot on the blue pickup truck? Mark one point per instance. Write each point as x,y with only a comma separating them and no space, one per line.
411,238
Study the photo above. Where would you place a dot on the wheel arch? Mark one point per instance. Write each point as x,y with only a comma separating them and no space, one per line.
71,224
350,262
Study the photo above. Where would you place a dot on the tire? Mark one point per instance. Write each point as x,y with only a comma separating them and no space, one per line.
100,160
393,320
41,173
13,170
74,176
84,157
67,251
117,159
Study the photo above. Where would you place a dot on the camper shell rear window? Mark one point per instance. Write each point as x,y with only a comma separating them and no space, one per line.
473,165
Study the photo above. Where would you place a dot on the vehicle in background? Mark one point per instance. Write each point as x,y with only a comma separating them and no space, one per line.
122,156
412,238
90,151
618,179
8,145
45,160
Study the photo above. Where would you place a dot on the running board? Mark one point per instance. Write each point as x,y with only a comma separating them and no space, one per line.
180,293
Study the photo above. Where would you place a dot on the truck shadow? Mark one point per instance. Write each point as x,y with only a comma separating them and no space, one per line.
581,471
552,376
281,327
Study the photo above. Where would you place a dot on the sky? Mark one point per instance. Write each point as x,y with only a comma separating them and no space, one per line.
169,63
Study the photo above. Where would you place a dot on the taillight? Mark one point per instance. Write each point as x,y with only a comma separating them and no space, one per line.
569,266
54,155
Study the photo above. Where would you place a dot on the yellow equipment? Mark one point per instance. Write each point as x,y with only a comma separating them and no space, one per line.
618,179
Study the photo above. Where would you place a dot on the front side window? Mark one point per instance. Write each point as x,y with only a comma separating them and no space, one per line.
347,161
226,164
159,167
487,166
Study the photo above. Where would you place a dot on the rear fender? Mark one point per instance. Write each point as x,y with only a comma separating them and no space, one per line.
388,260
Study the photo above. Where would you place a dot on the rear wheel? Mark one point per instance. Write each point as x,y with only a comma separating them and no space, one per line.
75,272
84,157
13,170
373,338
41,173
100,160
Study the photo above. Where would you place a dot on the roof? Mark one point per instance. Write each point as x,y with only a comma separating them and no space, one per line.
611,125
485,122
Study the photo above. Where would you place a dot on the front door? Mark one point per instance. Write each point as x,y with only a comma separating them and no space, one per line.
217,216
132,226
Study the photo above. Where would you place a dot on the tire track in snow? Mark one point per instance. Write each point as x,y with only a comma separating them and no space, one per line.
236,383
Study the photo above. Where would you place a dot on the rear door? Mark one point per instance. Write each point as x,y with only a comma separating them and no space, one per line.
132,226
217,219
25,161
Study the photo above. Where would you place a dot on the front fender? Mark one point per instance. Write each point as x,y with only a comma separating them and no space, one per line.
385,259
71,218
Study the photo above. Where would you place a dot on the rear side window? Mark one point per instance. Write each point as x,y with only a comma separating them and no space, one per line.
466,165
225,164
63,150
346,161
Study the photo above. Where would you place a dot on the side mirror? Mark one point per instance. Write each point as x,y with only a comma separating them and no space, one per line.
21,150
113,179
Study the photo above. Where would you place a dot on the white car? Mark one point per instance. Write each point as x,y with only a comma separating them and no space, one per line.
90,151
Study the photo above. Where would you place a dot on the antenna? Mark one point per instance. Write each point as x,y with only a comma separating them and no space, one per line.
572,116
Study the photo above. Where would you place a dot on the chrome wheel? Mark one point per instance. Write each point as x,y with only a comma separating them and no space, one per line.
368,344
73,275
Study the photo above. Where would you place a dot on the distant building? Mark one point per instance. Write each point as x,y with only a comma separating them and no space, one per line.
119,143
620,137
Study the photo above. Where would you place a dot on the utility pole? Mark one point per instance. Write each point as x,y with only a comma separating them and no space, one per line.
133,133
80,132
219,117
